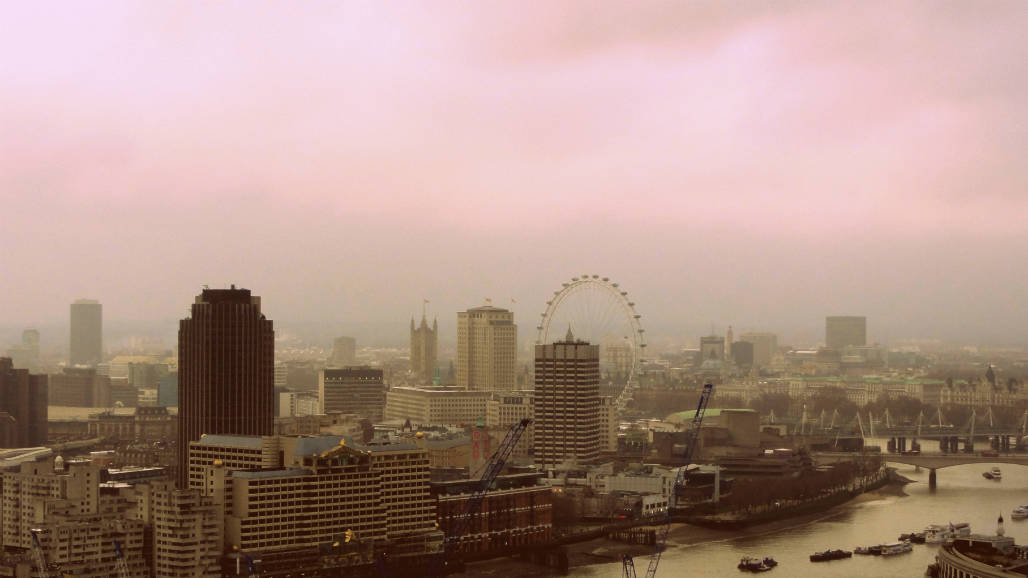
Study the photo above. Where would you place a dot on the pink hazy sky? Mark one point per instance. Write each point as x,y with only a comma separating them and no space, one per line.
760,164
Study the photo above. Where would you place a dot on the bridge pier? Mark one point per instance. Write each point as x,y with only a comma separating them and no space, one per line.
931,479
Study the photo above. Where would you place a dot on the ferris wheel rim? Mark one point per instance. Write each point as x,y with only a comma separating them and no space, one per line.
576,284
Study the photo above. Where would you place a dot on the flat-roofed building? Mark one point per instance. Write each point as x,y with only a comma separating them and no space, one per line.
516,512
433,405
378,492
357,390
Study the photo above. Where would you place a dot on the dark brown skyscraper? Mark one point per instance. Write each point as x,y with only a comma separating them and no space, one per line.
226,370
22,407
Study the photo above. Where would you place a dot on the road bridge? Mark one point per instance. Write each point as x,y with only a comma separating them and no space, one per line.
931,461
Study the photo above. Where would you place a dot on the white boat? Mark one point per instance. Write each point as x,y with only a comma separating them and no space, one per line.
938,533
894,548
996,474
1019,513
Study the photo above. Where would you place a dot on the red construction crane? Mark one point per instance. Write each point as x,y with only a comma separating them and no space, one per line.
628,565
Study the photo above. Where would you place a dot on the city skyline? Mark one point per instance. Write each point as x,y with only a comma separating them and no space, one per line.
759,166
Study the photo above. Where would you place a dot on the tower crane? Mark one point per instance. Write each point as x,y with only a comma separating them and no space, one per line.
37,553
474,503
628,565
120,564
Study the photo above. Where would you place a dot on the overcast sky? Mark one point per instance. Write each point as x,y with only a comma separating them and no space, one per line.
760,164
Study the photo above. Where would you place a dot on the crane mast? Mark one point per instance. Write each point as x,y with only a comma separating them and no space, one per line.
628,565
474,503
37,553
120,564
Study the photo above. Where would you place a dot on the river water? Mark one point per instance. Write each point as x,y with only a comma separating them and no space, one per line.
963,495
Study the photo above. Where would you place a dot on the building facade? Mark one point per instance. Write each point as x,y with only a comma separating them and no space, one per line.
23,407
842,331
423,405
358,390
75,517
86,347
226,369
516,512
487,347
424,343
568,420
80,387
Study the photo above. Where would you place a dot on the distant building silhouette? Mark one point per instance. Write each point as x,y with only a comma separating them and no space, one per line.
487,347
843,331
25,355
23,407
424,342
344,352
226,370
568,420
712,347
86,347
765,347
742,353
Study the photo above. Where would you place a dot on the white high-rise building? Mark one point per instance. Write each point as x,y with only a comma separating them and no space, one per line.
487,348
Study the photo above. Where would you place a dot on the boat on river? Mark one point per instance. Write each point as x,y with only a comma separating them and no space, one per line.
869,550
894,548
938,533
914,537
830,555
1019,513
755,565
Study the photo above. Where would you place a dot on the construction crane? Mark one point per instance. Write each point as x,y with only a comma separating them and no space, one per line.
628,565
37,553
474,503
120,564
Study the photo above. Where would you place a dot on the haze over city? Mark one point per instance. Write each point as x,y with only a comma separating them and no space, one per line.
755,164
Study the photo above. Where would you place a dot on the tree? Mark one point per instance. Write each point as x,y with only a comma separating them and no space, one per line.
768,402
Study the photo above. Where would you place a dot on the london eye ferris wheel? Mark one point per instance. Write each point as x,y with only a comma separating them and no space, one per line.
598,310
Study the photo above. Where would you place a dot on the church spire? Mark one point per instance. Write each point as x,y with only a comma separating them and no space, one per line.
570,337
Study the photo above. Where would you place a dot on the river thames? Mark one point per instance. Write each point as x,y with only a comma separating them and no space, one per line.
963,495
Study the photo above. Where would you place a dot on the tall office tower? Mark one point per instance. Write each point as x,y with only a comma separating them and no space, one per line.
487,347
423,343
225,370
765,347
728,343
842,331
358,390
344,352
23,408
87,326
568,420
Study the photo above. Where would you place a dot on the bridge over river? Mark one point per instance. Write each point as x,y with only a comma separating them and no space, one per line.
931,461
